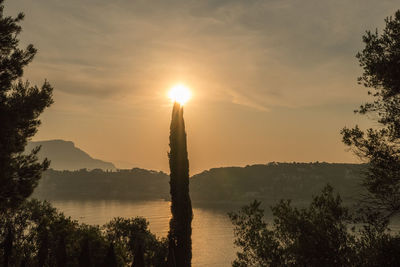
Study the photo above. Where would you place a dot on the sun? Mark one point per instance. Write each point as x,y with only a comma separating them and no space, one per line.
179,93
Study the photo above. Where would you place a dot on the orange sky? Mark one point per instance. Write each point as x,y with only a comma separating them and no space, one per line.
272,80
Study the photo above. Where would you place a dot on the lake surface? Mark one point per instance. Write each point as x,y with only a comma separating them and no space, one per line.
212,235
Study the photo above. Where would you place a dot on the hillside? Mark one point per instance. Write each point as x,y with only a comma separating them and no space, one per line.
269,183
132,184
64,155
274,181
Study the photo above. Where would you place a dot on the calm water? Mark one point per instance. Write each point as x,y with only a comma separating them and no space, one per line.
212,230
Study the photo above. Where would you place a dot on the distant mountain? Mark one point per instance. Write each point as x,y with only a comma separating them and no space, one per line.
268,183
64,155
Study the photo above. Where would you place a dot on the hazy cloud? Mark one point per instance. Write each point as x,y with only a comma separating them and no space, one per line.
260,53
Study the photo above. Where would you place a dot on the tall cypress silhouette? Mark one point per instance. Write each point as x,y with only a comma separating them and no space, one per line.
171,255
180,230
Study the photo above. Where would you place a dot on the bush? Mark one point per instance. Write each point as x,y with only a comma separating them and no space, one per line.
36,234
324,234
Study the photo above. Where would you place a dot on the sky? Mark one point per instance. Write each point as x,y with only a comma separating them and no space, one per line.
272,80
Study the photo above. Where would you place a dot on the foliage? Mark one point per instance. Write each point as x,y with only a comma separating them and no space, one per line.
380,60
20,106
41,236
180,230
132,236
380,147
110,259
324,234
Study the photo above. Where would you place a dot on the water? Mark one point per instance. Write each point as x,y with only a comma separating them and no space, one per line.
212,235
212,230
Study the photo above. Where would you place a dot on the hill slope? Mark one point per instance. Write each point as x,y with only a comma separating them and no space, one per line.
64,155
134,184
274,181
269,183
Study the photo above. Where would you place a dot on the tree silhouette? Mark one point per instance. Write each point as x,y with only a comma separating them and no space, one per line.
322,234
40,235
20,106
61,252
132,239
85,255
111,259
7,245
43,244
138,259
380,147
171,255
181,208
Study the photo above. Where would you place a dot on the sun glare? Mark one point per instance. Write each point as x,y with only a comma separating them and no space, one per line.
179,93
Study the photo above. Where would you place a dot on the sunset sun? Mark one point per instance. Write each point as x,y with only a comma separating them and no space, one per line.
179,93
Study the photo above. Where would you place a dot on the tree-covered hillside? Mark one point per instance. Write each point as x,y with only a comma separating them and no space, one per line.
270,182
274,181
132,184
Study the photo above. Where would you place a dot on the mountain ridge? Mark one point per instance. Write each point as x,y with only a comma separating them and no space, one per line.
65,155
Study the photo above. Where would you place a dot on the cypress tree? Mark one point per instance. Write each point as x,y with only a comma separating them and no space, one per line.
180,231
171,256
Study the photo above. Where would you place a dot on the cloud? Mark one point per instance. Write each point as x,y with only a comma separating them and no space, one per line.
259,54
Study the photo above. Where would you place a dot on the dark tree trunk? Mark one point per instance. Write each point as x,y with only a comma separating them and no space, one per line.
61,253
84,257
111,259
43,245
8,244
138,260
